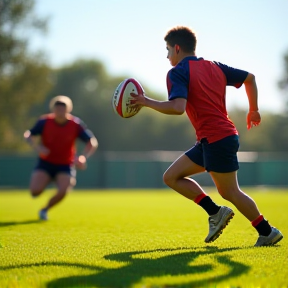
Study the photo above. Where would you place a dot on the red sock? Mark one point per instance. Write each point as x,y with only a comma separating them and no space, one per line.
262,225
199,198
207,204
256,221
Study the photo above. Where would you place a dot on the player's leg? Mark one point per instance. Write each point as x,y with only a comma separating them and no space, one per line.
227,185
176,177
39,181
64,182
228,188
220,156
65,178
222,164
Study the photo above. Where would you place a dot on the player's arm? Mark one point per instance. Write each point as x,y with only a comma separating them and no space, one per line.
253,116
178,92
91,146
32,138
176,106
236,77
33,141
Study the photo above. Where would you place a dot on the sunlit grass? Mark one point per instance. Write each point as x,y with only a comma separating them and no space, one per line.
139,238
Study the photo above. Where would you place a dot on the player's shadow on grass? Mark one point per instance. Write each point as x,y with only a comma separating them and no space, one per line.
136,266
13,223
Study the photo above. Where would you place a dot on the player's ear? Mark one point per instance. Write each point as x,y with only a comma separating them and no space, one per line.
177,47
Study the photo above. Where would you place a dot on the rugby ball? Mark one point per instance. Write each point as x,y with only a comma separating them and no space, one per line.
122,100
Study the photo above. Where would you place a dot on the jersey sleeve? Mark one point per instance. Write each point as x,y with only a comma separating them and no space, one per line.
177,83
37,129
84,134
235,77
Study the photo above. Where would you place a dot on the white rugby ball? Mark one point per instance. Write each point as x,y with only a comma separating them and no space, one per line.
122,99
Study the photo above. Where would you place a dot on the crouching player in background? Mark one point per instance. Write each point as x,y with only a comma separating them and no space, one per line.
57,160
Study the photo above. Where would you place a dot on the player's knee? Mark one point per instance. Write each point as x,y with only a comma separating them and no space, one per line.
34,191
62,192
227,194
73,182
168,179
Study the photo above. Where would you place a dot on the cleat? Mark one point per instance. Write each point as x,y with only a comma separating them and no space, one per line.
43,215
218,222
274,237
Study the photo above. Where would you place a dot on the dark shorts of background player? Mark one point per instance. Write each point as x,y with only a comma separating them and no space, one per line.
53,169
219,156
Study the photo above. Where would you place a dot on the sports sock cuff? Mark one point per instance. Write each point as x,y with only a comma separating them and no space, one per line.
199,198
257,220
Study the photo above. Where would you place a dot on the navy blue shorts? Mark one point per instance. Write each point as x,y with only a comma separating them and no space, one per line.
54,169
219,156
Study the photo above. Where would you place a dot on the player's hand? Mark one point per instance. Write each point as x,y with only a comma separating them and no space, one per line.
42,150
80,162
253,119
138,99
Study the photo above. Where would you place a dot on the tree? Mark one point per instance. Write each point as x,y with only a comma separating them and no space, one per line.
270,136
283,83
24,76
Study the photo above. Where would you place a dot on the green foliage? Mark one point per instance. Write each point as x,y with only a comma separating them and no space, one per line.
140,238
283,83
19,94
271,135
91,88
24,76
17,19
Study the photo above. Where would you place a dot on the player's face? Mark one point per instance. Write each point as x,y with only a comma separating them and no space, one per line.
60,111
172,55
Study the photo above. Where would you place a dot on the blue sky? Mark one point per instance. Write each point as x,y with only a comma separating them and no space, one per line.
128,37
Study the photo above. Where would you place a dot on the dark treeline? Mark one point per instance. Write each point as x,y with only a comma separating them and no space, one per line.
91,88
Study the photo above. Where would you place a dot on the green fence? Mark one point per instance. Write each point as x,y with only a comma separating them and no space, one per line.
145,170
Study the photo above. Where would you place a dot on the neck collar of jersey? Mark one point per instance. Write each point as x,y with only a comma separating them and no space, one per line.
187,58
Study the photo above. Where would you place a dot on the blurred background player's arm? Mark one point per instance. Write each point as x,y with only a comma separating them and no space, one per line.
90,147
34,143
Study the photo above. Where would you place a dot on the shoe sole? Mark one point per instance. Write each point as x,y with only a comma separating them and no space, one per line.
220,231
273,242
42,218
277,240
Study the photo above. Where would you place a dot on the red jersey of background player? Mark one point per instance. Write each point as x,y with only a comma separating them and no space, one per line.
60,138
203,84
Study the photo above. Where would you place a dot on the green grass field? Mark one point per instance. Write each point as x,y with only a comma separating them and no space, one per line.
139,239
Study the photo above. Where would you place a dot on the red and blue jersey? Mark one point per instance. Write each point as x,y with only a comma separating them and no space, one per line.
60,138
203,84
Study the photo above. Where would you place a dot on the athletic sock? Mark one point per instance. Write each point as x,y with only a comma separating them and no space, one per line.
262,226
207,204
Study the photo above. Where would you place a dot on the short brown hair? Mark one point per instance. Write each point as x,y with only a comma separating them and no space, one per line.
182,36
61,99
